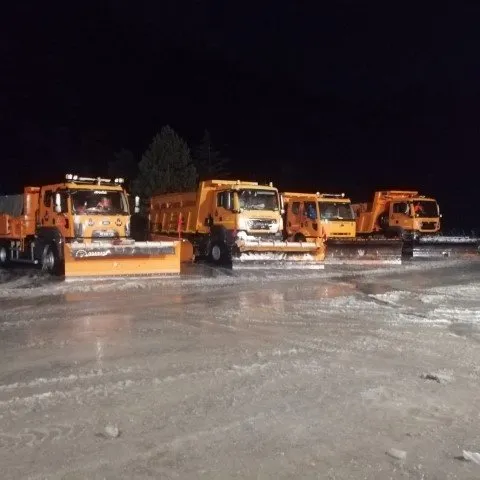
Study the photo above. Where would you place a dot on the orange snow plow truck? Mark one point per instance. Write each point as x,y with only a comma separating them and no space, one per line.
232,222
415,219
309,215
79,228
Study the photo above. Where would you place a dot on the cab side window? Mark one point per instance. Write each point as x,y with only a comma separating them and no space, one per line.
400,207
296,208
222,199
310,210
47,198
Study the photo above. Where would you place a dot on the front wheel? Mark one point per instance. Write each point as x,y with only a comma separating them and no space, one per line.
4,256
51,262
218,253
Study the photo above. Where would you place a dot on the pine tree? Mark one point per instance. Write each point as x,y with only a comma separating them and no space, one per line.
166,166
208,161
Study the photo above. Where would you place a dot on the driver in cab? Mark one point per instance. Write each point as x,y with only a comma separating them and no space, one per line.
418,209
105,204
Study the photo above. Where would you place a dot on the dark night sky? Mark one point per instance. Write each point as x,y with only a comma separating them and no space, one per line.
341,96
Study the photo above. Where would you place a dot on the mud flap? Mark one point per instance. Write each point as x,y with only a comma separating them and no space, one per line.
278,254
431,247
123,259
364,251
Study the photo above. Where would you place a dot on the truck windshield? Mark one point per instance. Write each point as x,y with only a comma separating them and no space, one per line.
336,211
98,202
258,199
425,208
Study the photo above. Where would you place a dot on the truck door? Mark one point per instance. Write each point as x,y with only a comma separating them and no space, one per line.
295,217
61,219
45,217
310,218
223,210
400,215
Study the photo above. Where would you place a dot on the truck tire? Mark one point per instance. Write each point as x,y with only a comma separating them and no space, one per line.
218,253
4,255
51,262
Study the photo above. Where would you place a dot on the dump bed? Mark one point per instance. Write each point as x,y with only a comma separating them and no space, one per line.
18,213
188,211
11,205
167,210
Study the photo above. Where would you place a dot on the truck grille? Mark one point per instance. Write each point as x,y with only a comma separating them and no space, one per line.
258,224
428,225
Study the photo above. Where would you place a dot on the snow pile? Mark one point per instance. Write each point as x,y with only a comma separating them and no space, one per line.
456,315
446,240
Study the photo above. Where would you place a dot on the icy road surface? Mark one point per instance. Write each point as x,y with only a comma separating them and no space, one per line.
242,375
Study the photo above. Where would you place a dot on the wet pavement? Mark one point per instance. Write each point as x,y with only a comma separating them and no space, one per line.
241,374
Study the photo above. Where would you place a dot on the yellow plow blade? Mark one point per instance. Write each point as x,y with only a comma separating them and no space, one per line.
440,246
364,251
186,248
124,259
279,254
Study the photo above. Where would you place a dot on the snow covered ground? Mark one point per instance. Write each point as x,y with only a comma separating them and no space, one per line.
250,374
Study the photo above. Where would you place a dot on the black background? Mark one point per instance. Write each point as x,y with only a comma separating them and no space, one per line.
342,96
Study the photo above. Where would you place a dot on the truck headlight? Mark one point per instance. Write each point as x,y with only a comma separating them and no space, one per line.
243,224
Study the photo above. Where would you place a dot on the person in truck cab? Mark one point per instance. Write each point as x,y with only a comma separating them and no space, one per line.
80,208
417,208
311,213
104,204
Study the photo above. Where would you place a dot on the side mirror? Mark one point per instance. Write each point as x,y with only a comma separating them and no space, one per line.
137,204
58,203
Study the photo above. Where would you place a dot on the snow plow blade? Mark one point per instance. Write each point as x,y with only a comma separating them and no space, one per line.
121,259
364,251
278,254
431,247
186,248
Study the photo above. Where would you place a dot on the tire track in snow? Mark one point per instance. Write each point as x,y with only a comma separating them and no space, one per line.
46,435
66,379
457,314
84,395
180,442
53,433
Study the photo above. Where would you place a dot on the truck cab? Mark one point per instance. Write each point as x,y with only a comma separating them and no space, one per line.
85,209
309,215
414,216
397,213
249,210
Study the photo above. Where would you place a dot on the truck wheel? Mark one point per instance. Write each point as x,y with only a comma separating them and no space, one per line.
218,253
50,260
4,256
